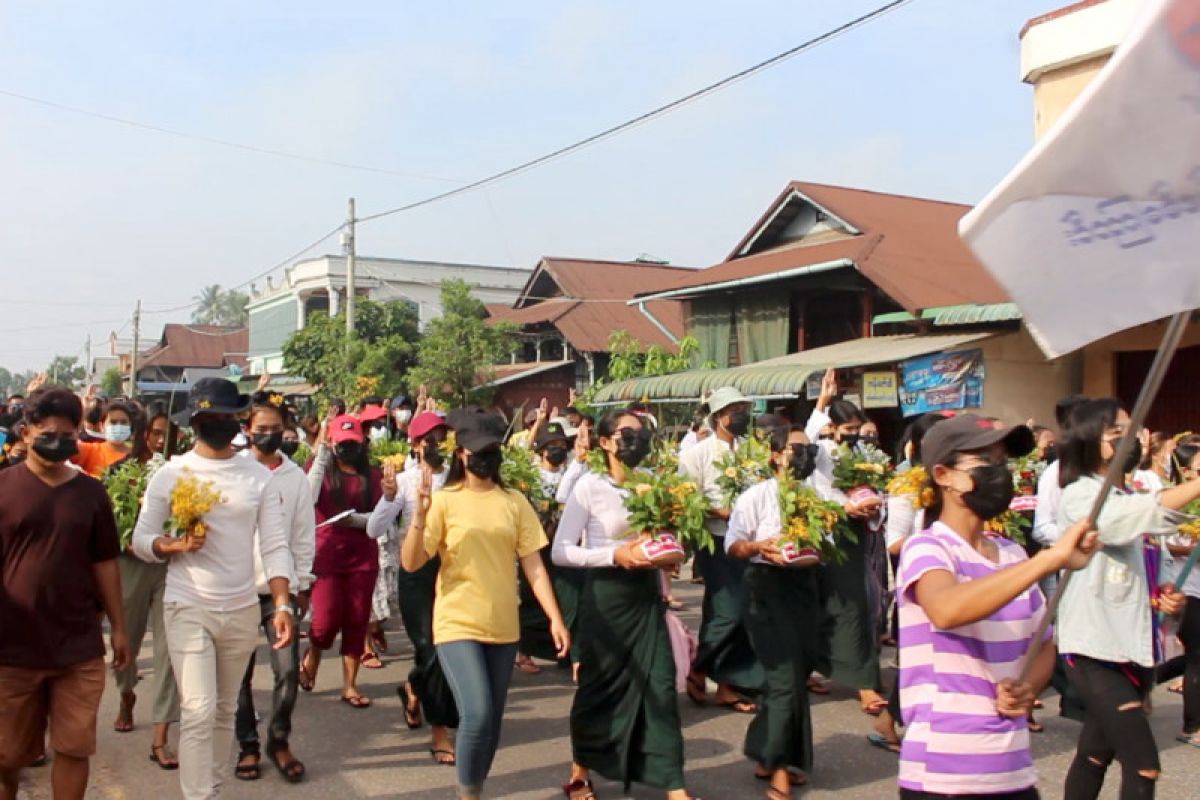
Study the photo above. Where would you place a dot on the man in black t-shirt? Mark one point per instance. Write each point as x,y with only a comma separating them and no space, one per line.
58,570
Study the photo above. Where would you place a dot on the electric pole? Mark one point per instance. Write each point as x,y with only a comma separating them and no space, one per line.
133,358
350,258
88,377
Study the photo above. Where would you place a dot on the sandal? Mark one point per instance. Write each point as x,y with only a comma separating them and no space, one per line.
371,661
440,757
1176,687
1034,726
161,756
124,723
306,679
525,664
245,771
883,743
875,707
818,686
796,778
412,706
776,794
293,770
356,701
740,706
379,641
697,690
570,789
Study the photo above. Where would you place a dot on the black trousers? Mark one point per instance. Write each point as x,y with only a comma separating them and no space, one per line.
1189,634
285,664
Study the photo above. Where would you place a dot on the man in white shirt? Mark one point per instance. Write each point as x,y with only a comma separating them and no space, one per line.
725,654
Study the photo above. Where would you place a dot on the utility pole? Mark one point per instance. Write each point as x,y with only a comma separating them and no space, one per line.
133,358
87,360
350,258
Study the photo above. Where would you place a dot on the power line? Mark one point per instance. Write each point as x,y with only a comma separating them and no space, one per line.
221,142
833,33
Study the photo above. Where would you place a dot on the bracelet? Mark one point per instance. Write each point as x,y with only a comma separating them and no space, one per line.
291,612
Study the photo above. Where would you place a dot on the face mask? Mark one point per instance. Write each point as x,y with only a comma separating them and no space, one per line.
378,433
217,433
268,443
992,493
348,452
632,448
739,423
848,439
485,464
116,432
1134,458
431,454
1050,454
16,409
557,456
403,416
825,437
804,460
289,447
873,441
53,447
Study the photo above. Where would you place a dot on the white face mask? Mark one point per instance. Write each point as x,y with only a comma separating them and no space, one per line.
403,416
116,432
378,432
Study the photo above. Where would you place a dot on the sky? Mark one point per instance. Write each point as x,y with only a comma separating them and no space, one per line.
926,100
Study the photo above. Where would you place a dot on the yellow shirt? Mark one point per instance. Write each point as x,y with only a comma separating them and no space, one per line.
479,536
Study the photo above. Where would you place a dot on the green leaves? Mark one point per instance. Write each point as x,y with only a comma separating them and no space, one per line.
216,306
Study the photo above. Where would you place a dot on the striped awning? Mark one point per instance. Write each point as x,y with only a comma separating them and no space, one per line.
970,314
784,376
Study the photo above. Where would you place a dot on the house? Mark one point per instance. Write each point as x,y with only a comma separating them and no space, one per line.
319,285
567,312
186,353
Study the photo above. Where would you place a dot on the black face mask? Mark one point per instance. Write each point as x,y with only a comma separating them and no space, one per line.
804,460
873,441
216,433
1050,454
289,447
268,443
992,493
739,423
53,447
848,439
431,454
557,456
825,437
632,448
348,452
485,464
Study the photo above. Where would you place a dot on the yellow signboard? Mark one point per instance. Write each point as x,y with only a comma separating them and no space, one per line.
879,390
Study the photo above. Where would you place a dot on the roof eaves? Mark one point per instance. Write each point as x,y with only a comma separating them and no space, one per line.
810,269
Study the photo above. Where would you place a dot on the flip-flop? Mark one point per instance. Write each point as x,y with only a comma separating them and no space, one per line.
882,742
436,752
1192,739
569,789
371,661
357,701
740,706
818,686
412,717
875,707
528,667
306,680
697,690
1176,688
795,778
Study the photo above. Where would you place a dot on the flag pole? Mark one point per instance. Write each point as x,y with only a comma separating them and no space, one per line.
1141,408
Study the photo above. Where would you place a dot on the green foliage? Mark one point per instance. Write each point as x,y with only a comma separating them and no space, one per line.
388,450
111,382
126,485
665,501
302,455
65,371
807,521
459,351
740,469
375,362
216,306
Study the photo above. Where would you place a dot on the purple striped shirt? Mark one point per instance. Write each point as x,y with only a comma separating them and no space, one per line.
955,741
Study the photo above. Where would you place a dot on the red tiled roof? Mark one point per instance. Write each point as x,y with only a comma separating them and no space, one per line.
907,246
210,346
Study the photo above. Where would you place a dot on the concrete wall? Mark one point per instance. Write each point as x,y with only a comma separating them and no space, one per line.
1021,384
1055,92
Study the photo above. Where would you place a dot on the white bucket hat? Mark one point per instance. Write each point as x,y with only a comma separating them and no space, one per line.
723,398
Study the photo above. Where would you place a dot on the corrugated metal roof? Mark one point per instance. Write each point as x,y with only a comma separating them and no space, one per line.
507,373
970,314
783,376
199,346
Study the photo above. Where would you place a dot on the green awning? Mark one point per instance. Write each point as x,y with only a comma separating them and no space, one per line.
970,314
783,376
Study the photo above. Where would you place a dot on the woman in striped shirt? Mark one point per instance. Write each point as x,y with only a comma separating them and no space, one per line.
969,607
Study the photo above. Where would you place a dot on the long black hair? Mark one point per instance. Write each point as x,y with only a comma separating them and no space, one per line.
457,472
1184,455
843,412
916,431
1079,454
362,468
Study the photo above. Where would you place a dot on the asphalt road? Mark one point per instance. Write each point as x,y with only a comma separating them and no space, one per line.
370,754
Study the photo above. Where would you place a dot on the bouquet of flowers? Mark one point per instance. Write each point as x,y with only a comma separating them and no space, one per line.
1012,525
126,485
669,508
812,528
303,455
740,469
1026,472
914,483
519,471
862,471
388,451
1191,528
448,446
191,499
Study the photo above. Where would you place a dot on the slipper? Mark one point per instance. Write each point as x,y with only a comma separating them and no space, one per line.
371,661
412,716
437,754
883,743
247,772
697,690
1192,739
292,771
875,707
306,679
673,604
379,641
166,760
796,778
740,706
1176,688
776,794
569,789
528,667
1034,726
818,686
356,701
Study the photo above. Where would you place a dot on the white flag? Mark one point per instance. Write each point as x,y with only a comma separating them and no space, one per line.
1098,228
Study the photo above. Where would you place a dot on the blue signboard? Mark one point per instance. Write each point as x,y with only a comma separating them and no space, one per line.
941,382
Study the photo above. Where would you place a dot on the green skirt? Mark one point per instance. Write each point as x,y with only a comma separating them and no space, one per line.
416,592
625,718
783,616
536,640
849,632
725,653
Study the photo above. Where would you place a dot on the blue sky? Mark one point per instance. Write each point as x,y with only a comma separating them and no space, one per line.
925,101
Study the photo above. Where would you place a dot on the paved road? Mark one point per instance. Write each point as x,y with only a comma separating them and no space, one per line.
370,754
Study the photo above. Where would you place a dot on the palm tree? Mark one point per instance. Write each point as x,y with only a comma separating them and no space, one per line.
209,306
233,308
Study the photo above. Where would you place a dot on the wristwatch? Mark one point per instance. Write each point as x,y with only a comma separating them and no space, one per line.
291,612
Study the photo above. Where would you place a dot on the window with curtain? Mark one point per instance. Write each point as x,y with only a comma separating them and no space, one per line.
762,320
710,321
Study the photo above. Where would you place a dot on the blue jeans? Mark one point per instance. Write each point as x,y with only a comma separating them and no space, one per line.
478,675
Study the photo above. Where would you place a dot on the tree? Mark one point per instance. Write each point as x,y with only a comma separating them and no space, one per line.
234,309
6,383
629,358
459,352
112,383
375,362
66,371
208,309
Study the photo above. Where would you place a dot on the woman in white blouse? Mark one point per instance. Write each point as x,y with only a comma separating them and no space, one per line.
782,618
625,720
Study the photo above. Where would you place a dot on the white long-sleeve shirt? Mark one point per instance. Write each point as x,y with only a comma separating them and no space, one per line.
755,517
1045,513
299,521
566,485
219,576
700,464
903,519
382,524
593,525
822,477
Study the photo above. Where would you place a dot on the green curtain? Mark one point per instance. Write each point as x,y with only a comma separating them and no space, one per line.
710,322
762,326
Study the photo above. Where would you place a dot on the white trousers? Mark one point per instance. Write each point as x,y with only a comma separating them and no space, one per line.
209,652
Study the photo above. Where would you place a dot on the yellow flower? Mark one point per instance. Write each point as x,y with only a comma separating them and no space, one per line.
687,487
643,488
731,472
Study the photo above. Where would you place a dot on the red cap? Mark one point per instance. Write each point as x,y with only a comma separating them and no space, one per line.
425,422
345,429
372,413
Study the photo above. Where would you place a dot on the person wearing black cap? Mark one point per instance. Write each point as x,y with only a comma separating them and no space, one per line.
969,606
210,603
479,529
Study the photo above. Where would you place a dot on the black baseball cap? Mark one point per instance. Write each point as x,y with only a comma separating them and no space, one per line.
968,432
476,429
552,432
212,396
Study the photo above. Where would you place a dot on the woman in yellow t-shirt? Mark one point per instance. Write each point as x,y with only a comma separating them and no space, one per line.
479,529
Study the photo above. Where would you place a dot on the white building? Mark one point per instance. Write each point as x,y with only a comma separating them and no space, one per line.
319,284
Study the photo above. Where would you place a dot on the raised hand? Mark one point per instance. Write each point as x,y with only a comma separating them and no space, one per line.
389,480
583,441
263,380
425,490
829,389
